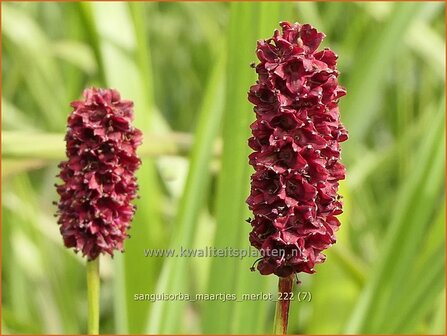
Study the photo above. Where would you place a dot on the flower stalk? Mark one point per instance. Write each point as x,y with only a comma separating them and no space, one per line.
93,296
285,288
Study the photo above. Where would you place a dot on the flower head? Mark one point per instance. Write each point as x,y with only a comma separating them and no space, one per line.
296,142
98,176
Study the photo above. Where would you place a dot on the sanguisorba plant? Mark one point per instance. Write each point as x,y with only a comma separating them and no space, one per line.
296,142
99,182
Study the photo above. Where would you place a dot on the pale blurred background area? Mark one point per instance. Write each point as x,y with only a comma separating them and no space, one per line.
186,67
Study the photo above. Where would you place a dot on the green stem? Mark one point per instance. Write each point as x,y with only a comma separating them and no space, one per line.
285,286
93,296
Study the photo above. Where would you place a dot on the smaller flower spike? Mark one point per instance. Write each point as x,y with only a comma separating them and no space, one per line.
98,177
296,142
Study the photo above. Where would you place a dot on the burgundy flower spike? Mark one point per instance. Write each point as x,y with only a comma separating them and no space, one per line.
296,142
99,184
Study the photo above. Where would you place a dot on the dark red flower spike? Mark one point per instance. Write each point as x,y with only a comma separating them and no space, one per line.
296,142
98,176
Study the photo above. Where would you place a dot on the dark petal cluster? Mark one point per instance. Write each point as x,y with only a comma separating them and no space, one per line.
296,142
98,177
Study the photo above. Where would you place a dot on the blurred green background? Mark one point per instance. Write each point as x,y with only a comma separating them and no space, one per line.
186,67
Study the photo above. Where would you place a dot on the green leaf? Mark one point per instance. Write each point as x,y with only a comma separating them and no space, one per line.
404,236
43,79
77,53
251,316
372,64
233,183
32,145
167,316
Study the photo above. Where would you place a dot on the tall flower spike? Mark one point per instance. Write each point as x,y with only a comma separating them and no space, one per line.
296,142
99,184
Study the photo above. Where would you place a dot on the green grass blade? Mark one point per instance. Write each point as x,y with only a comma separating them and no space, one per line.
13,118
167,316
404,234
91,33
50,146
363,87
234,176
23,37
438,323
251,316
28,145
